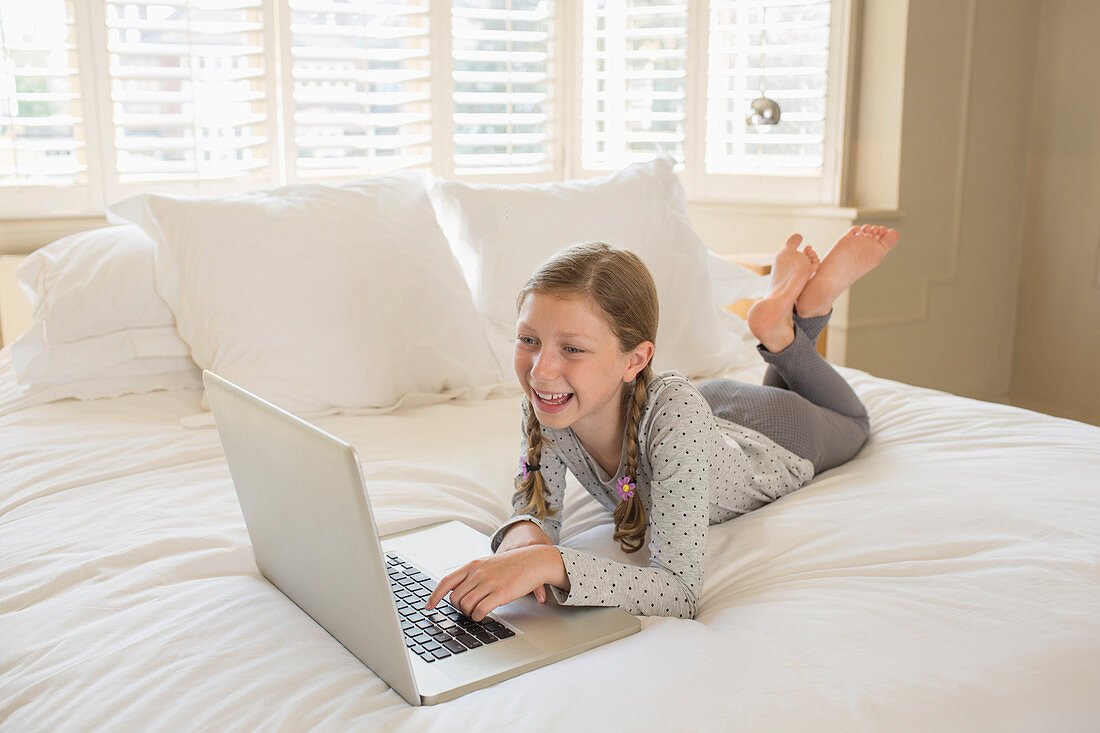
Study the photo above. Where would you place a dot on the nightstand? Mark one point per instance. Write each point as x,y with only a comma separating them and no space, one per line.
761,264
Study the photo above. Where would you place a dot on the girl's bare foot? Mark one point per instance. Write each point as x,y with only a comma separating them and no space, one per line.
853,256
770,318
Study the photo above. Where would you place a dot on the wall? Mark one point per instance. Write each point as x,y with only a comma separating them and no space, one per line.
1058,333
941,310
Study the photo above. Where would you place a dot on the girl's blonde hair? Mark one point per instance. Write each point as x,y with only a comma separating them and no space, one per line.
619,283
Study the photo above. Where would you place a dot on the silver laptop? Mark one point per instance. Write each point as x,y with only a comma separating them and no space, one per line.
309,517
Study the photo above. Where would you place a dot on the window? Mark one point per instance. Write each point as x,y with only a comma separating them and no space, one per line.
361,87
189,99
634,81
43,138
502,76
775,49
103,98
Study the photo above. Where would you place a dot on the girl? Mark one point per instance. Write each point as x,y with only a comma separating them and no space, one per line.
662,454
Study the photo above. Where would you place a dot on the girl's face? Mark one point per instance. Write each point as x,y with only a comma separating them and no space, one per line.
565,346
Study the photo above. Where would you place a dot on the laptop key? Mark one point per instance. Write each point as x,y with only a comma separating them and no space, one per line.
485,637
504,632
468,641
454,647
440,653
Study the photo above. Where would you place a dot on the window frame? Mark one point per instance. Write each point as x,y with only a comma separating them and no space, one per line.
103,186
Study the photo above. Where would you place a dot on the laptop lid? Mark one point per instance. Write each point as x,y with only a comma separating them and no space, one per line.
292,481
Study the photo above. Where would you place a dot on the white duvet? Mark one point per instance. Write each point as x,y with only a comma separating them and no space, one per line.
948,578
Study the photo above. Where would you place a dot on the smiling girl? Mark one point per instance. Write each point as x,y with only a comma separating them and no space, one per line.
666,457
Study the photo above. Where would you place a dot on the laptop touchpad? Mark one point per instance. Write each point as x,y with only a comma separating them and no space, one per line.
441,548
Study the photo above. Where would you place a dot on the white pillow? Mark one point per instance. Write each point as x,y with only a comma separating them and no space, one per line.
319,298
15,396
503,233
95,311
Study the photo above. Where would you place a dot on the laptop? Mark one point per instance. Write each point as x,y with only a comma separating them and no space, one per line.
309,517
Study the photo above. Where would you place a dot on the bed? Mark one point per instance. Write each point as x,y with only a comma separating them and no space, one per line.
947,578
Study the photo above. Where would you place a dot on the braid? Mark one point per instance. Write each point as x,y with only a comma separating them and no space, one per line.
534,485
630,516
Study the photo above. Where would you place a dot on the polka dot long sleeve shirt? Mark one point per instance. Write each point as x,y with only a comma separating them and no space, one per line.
695,469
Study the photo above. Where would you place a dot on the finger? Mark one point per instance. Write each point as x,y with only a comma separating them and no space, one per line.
471,600
447,583
460,592
485,607
540,594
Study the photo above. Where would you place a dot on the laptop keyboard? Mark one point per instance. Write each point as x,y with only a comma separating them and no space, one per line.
442,632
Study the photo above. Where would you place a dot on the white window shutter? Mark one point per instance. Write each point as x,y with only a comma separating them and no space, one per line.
503,81
782,47
362,86
633,81
188,90
42,134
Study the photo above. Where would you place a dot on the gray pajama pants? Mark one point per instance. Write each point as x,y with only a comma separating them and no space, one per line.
804,405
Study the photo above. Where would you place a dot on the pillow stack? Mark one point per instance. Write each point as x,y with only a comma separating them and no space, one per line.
98,326
319,298
346,298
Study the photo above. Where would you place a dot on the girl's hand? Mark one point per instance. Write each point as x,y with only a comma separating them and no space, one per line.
480,586
525,534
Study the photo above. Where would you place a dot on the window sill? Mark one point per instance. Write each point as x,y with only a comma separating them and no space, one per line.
796,210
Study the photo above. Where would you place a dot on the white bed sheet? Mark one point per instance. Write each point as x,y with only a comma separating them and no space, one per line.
947,578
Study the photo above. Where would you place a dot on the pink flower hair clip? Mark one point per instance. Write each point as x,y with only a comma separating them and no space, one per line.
625,488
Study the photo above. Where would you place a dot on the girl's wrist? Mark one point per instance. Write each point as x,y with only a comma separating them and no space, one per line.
555,567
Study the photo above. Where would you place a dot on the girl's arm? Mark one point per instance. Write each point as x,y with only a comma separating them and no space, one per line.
678,449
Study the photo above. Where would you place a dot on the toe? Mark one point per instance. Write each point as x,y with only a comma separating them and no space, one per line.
890,238
793,241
